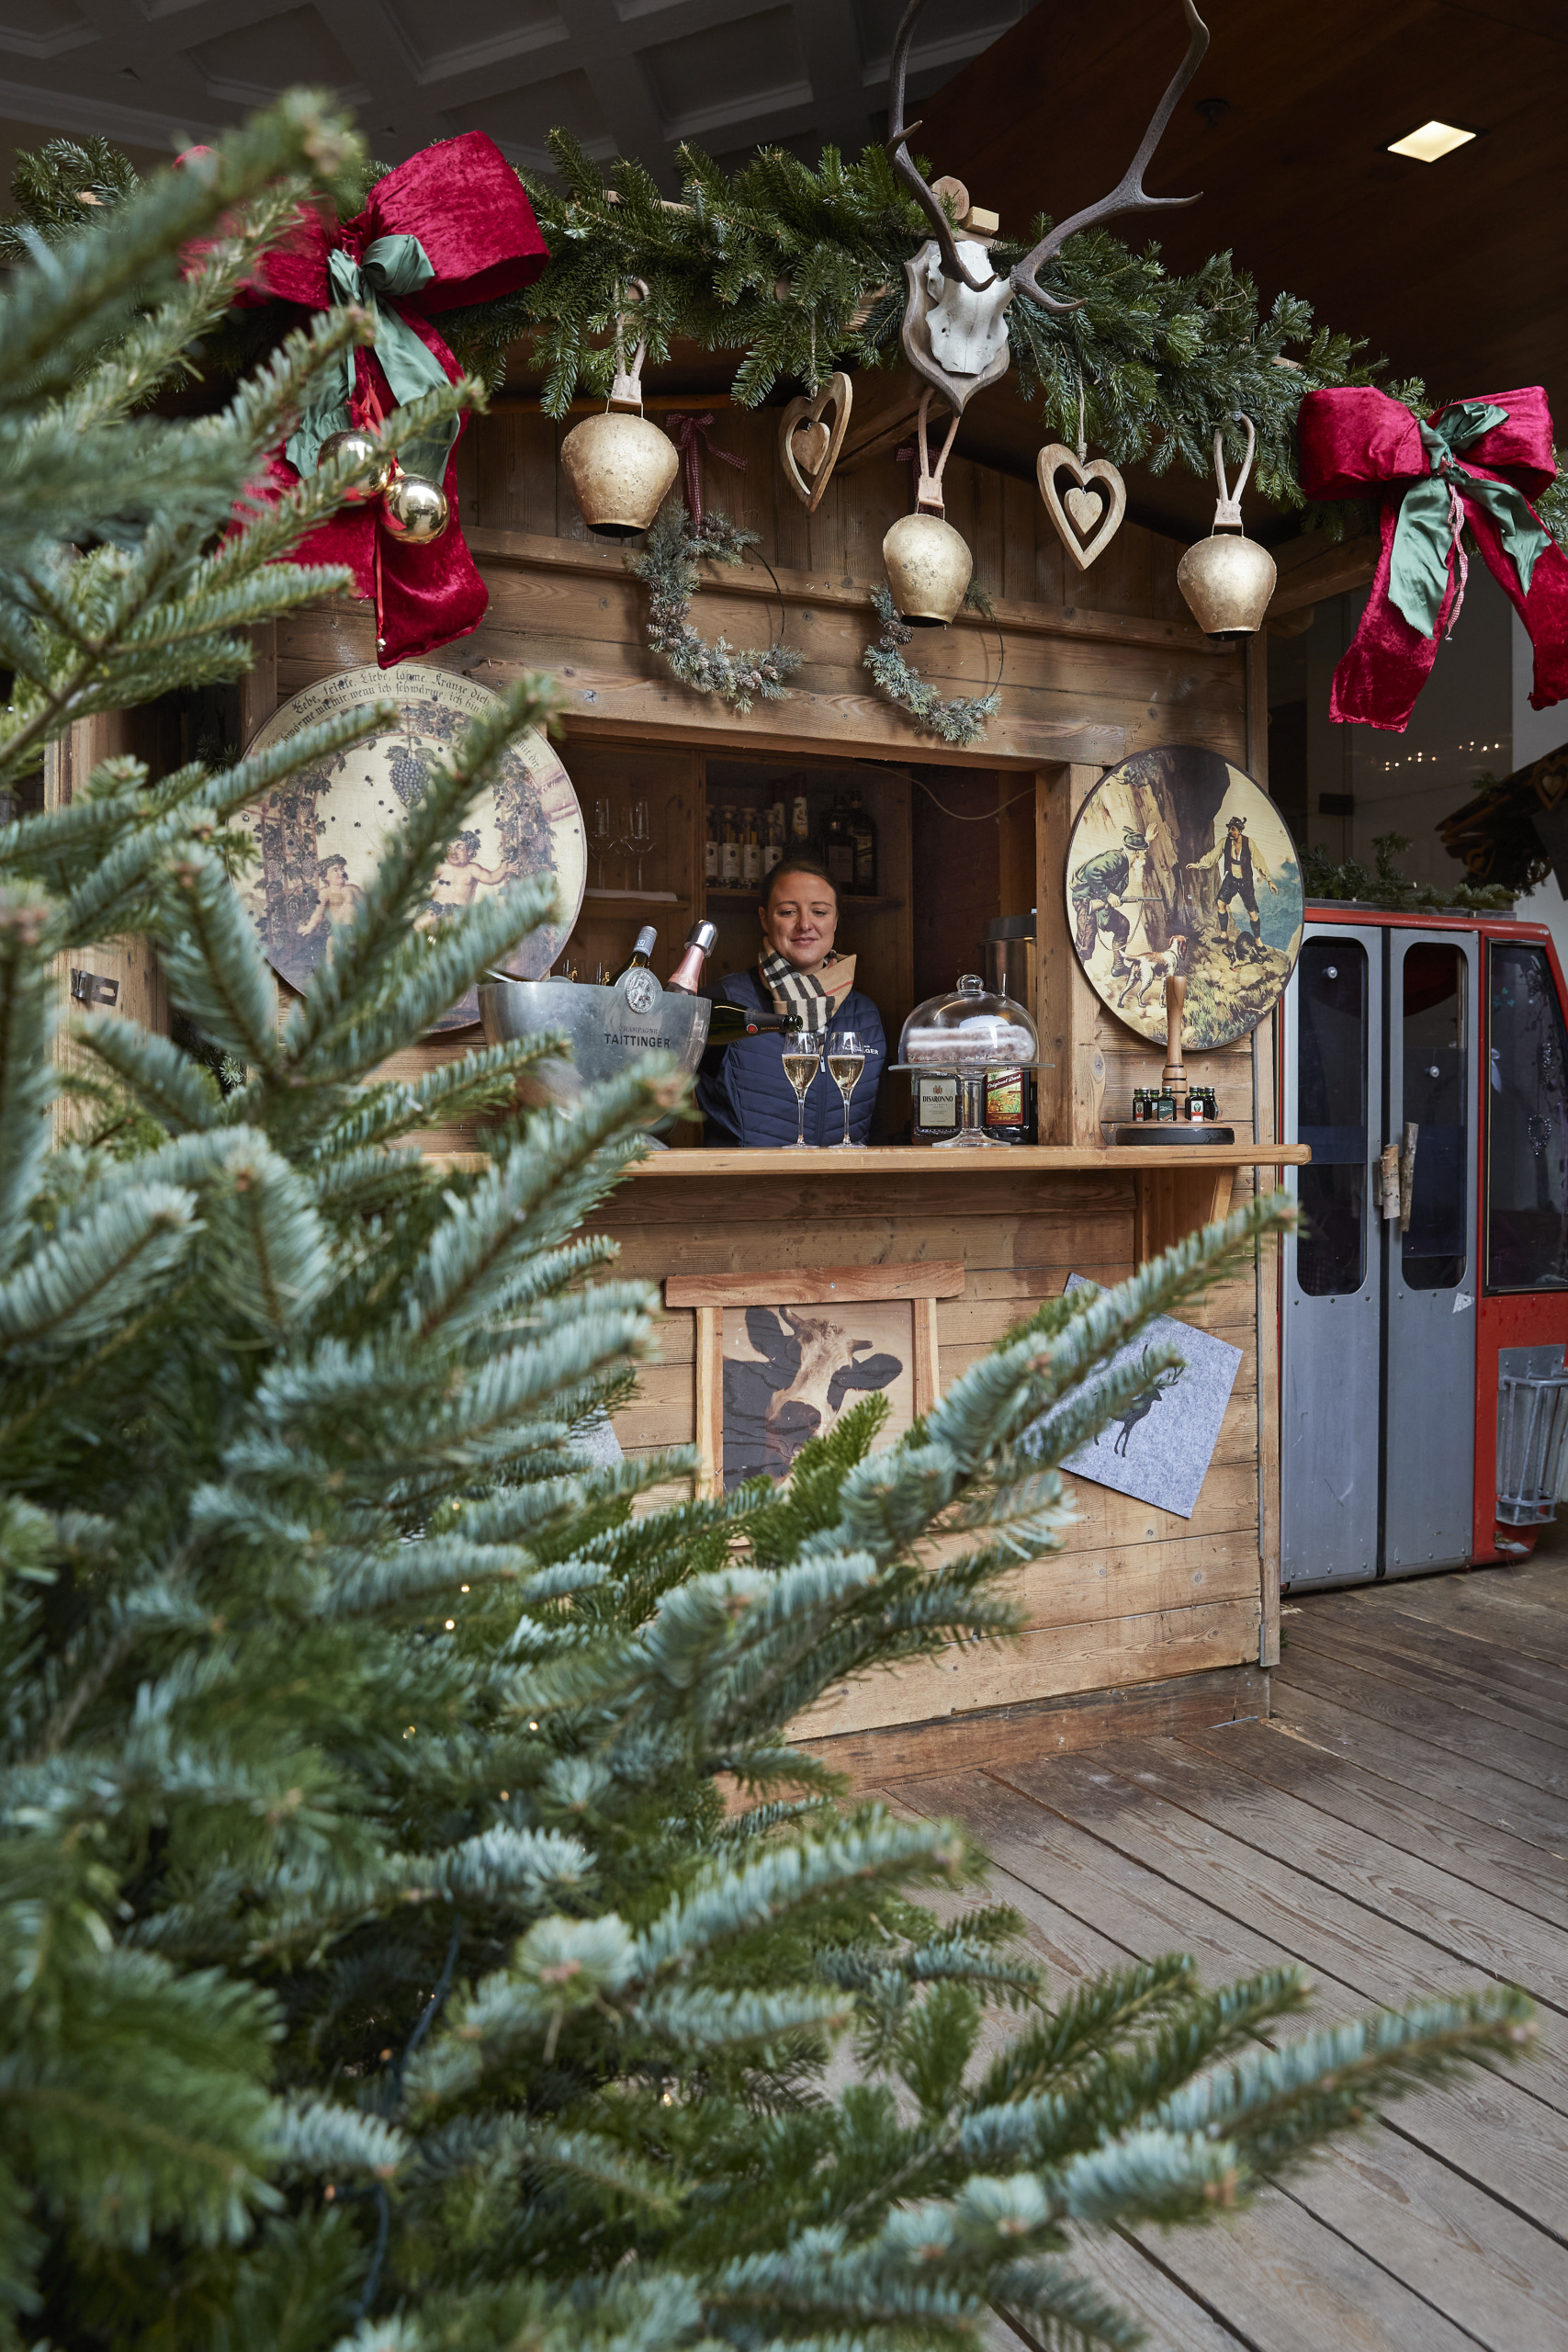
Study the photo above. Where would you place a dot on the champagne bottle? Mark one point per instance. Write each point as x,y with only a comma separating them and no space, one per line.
730,852
862,842
686,978
773,843
728,1022
642,952
710,847
751,850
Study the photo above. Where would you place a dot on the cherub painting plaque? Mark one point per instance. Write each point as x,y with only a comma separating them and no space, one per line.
321,837
1180,864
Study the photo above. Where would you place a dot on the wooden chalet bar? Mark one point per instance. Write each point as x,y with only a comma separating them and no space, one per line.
1145,1619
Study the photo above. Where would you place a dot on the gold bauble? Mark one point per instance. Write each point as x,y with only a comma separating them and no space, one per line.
362,448
1227,580
928,569
620,468
415,511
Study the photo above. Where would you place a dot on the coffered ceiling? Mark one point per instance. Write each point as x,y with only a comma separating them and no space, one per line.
625,76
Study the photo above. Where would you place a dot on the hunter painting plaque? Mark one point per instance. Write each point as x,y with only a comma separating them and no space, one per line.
321,836
1179,865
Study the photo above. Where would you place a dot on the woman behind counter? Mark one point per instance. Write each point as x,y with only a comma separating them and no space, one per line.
743,1093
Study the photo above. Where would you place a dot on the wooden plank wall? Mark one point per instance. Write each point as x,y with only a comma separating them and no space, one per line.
1138,1595
1096,665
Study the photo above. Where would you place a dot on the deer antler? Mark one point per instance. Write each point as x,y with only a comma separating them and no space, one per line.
904,163
1128,194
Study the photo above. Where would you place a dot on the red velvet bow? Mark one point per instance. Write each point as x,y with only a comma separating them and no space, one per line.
465,204
1358,440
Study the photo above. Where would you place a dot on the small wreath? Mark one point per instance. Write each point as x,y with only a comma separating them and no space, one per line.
667,566
955,720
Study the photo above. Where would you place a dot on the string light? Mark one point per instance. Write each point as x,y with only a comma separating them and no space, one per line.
451,1624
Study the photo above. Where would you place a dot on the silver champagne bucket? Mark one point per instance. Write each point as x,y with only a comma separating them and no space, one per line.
605,1028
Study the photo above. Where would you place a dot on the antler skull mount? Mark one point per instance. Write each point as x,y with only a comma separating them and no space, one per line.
954,332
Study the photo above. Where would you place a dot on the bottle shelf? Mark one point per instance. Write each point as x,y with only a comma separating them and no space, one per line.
719,895
636,898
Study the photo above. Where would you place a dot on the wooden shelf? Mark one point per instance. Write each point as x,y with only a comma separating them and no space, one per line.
610,899
848,901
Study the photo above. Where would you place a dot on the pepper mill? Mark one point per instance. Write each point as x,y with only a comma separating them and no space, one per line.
1174,1074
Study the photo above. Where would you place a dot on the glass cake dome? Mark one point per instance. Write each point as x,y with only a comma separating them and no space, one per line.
966,1031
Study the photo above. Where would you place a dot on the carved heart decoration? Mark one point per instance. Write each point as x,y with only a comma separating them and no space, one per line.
806,442
1080,538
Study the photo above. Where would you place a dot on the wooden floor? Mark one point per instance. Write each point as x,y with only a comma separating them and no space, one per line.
1401,1826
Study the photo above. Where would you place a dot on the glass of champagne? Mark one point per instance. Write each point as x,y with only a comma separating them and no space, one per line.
846,1059
802,1060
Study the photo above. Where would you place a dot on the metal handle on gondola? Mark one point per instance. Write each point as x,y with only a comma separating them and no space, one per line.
1407,1173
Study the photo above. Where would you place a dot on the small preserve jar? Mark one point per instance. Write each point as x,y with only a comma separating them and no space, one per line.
967,1049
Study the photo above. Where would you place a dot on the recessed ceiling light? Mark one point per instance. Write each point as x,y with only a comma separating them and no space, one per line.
1432,141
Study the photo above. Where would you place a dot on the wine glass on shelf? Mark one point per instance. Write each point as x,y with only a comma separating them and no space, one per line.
638,842
602,832
802,1060
846,1059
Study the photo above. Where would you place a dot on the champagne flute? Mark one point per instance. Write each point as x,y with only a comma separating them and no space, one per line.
846,1059
603,833
802,1060
639,838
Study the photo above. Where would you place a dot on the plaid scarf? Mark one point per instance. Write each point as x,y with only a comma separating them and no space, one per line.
803,992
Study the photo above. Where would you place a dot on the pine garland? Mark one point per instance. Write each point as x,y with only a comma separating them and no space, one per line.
956,721
1159,361
667,566
1163,360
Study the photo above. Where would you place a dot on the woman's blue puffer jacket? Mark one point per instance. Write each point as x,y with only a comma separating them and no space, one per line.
745,1098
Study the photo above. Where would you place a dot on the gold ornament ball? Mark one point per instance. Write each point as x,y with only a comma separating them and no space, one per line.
415,511
928,570
1228,581
363,450
620,468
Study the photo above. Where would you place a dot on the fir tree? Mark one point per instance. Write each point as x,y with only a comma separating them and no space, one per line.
417,1926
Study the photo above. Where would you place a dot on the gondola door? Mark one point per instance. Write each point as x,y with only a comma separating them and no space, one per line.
1378,1324
1429,1272
1332,1269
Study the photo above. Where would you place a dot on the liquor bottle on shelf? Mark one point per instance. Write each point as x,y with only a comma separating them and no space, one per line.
773,839
935,1108
862,842
1008,1104
800,822
710,847
838,847
642,952
728,851
1140,1106
751,850
1165,1109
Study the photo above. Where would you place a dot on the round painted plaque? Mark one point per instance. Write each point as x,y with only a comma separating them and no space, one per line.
321,838
1180,863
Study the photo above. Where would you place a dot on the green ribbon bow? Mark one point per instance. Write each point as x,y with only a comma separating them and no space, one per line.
392,266
1428,527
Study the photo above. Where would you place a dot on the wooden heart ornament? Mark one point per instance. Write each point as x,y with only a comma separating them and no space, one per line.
1094,480
809,450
